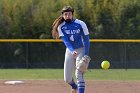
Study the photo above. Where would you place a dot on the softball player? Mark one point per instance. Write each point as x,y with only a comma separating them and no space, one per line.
75,36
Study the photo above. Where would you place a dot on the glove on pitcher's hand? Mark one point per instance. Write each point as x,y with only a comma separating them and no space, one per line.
82,65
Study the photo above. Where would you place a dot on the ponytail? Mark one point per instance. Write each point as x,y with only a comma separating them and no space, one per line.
55,25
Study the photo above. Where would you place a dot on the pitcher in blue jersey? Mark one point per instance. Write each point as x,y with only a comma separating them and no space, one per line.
75,36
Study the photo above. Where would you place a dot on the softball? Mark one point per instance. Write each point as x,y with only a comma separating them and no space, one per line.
105,64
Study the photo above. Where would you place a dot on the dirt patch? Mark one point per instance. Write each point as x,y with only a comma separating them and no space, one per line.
58,86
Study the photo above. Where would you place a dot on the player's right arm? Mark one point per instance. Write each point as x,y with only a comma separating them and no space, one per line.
69,46
66,41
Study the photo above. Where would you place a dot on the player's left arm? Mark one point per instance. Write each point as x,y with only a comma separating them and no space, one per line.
86,44
85,34
82,65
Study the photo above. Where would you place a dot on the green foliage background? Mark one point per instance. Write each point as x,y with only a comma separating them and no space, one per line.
26,19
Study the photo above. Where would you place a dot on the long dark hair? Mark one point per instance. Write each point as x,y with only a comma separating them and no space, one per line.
60,20
55,25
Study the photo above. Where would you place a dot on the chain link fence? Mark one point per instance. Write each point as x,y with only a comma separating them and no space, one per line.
51,54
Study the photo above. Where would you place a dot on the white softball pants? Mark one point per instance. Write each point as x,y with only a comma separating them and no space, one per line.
70,66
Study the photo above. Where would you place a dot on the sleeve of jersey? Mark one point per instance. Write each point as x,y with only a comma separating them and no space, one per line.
60,31
67,43
65,39
84,27
85,37
86,44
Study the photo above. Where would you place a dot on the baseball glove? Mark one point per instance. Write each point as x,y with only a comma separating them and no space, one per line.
82,65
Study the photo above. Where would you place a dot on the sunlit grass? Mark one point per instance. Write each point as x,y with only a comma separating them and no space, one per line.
113,74
94,74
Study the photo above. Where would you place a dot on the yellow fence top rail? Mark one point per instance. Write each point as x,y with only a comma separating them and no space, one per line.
59,40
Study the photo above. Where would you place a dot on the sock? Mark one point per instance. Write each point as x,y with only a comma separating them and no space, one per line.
73,85
81,87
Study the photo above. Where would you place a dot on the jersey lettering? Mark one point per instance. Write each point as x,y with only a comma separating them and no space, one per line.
71,38
72,31
67,31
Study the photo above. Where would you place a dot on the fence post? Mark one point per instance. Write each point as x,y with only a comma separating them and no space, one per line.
125,56
27,55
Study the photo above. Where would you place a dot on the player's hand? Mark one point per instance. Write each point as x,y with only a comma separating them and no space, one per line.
75,53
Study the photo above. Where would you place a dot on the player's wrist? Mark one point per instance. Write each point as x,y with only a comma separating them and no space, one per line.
74,52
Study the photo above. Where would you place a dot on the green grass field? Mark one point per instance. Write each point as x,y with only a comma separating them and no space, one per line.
94,74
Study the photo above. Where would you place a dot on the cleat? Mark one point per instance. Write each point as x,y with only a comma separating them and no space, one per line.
73,90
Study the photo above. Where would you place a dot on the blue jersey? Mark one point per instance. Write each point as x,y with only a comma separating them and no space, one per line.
74,34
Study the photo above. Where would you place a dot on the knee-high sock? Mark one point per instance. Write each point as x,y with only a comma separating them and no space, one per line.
73,85
81,87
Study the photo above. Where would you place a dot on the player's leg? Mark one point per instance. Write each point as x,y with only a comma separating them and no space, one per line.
79,75
80,81
69,68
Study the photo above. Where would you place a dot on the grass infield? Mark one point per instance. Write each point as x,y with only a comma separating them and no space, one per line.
93,74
